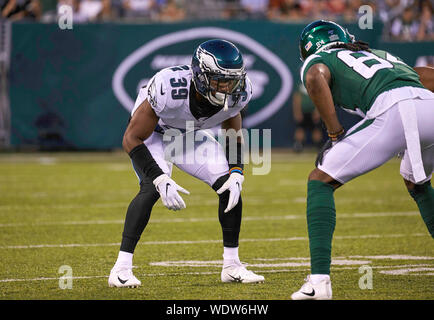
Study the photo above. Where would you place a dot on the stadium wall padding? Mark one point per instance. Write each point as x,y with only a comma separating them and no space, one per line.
73,89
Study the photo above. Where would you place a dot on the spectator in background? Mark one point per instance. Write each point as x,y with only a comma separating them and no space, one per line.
78,15
426,26
171,12
232,9
91,9
106,13
255,9
390,9
140,8
274,8
352,14
205,9
312,9
21,9
110,10
405,27
335,8
307,120
285,10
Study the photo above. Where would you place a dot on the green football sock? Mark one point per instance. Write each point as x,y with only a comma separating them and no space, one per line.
321,221
424,197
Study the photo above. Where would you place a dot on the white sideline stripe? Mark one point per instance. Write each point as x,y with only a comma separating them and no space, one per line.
182,220
71,245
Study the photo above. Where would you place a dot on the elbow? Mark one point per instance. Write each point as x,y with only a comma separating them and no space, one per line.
313,84
130,141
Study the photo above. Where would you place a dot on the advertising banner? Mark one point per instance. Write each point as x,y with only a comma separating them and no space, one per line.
74,89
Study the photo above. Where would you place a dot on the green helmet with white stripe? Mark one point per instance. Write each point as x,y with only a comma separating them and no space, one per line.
321,35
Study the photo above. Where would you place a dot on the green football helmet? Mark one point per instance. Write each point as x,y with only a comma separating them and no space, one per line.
320,35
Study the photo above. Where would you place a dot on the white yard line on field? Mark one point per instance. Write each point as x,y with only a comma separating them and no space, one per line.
71,245
140,275
189,220
394,270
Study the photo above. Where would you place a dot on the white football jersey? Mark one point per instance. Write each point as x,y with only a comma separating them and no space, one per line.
168,94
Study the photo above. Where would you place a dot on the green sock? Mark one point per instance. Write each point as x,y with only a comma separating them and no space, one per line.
321,221
424,196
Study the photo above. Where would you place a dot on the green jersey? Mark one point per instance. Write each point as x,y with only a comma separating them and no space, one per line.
357,78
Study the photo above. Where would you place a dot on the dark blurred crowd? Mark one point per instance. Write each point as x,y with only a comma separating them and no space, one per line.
405,20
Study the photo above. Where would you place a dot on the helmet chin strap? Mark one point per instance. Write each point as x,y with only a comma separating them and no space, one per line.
226,107
219,99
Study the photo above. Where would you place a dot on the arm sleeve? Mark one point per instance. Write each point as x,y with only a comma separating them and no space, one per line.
235,160
143,161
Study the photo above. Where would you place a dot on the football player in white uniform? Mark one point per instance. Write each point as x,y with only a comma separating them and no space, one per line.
188,99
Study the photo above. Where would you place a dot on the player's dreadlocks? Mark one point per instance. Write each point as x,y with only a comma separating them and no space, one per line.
359,45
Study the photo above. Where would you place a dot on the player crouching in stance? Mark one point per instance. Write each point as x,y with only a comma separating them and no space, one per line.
210,92
397,113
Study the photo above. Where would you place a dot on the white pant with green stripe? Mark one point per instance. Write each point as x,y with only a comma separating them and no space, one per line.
374,141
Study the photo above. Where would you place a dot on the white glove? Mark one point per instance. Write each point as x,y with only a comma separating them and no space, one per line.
168,190
234,184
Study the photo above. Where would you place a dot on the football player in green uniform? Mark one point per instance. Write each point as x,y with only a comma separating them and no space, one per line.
397,112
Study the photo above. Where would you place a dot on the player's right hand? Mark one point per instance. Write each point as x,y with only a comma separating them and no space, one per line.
327,146
168,190
323,151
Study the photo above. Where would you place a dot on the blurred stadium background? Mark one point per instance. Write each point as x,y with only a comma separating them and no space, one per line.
70,88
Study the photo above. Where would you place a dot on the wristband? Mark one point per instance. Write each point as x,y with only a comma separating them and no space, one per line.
236,169
335,135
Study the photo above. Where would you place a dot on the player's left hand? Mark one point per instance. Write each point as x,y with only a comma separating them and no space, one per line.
328,145
234,185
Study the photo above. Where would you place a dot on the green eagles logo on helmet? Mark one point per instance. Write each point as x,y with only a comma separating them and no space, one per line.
320,35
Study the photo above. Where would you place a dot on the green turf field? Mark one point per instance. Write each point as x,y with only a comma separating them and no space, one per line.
67,210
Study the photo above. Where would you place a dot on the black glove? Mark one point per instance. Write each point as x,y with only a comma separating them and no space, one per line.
333,139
